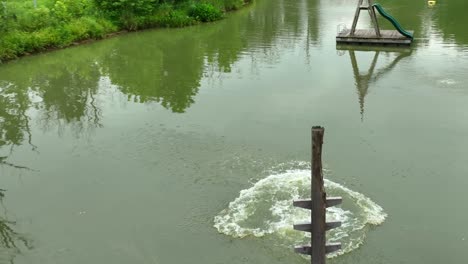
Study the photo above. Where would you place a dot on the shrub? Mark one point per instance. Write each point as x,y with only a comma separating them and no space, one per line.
99,28
81,29
233,4
127,12
3,17
17,43
66,10
34,19
7,18
60,12
8,46
205,12
175,18
116,8
77,8
41,40
166,16
58,23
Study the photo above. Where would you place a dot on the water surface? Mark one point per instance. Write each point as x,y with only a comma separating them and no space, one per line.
127,150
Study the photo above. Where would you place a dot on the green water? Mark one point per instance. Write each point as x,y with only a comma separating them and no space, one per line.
127,150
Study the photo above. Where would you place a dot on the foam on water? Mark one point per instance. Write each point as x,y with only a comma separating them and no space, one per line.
448,81
266,209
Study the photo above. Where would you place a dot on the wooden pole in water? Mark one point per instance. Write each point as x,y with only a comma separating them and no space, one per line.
318,198
318,204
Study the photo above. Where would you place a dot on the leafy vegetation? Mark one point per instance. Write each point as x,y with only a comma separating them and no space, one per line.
25,28
205,12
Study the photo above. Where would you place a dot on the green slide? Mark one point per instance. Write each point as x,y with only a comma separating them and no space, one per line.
393,20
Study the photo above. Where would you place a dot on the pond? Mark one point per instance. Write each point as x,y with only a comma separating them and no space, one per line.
188,145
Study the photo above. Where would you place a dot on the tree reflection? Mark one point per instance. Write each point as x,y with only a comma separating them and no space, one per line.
452,20
168,72
14,121
62,89
68,93
168,68
11,242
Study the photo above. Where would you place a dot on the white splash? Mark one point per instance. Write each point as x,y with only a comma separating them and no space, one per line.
448,81
266,209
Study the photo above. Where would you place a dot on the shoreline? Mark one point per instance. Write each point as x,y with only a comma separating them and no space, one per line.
73,44
112,35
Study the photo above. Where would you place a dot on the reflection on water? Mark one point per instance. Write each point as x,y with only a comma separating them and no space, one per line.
451,20
14,121
11,242
363,81
70,89
167,68
61,91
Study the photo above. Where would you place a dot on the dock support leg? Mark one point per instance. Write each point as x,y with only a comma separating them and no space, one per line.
356,18
374,20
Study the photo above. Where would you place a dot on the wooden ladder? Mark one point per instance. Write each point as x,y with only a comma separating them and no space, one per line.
372,14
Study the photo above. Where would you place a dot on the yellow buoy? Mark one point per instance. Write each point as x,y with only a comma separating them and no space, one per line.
431,3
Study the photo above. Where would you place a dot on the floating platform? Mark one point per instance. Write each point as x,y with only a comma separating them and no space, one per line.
368,37
374,48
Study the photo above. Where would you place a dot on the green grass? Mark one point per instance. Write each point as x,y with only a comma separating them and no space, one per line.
25,29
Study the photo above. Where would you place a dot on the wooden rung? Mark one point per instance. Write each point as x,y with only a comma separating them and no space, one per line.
364,8
332,247
306,204
306,250
332,201
307,227
331,225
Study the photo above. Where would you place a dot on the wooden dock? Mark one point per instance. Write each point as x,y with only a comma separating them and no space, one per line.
369,37
374,48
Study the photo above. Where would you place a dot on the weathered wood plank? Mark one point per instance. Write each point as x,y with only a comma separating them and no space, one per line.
369,33
307,203
368,36
318,198
332,201
318,204
360,41
332,247
307,227
374,19
331,225
305,250
374,48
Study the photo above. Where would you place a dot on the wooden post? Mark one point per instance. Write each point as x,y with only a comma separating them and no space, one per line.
356,18
318,204
318,198
372,15
374,19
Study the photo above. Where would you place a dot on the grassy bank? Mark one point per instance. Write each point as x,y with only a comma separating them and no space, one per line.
26,28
